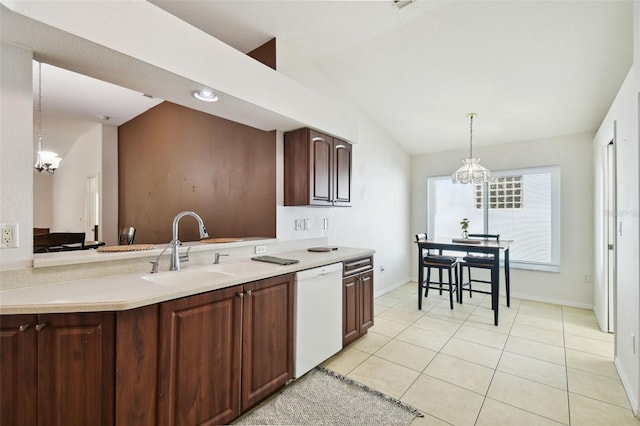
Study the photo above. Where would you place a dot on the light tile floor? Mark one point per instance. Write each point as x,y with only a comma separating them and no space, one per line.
543,365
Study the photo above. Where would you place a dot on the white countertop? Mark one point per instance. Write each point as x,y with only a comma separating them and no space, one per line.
128,291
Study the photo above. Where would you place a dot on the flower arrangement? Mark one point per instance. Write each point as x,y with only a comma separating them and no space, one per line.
464,224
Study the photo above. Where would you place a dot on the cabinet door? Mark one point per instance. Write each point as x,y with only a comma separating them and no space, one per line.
350,317
366,301
76,369
137,366
18,370
200,357
321,176
342,175
267,348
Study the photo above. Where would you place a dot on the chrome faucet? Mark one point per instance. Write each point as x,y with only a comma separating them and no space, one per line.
175,242
216,259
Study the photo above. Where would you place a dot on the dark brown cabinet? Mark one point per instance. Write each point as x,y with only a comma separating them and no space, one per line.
317,169
201,359
224,351
357,298
57,369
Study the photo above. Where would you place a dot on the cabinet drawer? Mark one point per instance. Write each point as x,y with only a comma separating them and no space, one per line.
355,266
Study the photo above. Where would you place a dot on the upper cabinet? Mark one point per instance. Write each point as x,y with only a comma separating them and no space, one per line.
317,169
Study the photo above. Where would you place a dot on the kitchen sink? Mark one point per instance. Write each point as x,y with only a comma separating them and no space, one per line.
186,277
243,267
204,275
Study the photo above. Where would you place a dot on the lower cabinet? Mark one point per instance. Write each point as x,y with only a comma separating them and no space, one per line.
57,369
202,359
357,298
224,351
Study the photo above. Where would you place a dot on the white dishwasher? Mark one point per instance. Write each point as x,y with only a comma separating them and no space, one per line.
318,310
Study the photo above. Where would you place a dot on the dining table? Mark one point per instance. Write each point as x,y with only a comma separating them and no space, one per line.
471,245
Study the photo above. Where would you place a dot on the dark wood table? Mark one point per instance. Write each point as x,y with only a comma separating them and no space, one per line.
483,246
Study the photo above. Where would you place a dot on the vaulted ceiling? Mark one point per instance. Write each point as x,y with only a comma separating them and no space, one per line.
530,69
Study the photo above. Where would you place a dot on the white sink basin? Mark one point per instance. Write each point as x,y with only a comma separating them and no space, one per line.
243,267
204,275
185,277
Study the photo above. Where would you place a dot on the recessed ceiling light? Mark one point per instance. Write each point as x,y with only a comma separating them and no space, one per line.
206,95
104,117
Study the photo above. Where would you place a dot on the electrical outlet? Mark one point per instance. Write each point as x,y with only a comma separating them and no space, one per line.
8,235
306,224
325,223
299,224
381,268
261,249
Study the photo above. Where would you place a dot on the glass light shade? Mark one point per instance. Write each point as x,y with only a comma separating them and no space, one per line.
471,172
47,160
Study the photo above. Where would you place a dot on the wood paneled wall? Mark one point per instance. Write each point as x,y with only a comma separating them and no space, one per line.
172,158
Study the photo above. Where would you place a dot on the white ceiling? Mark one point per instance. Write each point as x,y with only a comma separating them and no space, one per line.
530,69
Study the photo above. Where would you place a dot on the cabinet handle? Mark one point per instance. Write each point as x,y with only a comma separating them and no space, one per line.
40,326
24,327
248,292
241,295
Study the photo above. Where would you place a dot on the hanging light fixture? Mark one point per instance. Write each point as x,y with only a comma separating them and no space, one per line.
45,160
471,171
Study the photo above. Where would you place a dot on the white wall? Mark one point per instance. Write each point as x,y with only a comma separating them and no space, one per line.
83,160
574,155
379,216
108,231
16,152
42,199
625,112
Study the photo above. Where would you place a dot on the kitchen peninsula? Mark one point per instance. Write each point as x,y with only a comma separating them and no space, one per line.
141,348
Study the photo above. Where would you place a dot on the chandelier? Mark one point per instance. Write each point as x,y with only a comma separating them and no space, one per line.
45,160
471,170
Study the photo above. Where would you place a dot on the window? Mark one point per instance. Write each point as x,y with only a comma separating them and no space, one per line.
504,193
521,205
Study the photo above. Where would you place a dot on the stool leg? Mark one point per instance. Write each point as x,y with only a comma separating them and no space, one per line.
440,276
451,290
426,283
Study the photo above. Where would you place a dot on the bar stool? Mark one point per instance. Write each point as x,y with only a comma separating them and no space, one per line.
477,261
441,263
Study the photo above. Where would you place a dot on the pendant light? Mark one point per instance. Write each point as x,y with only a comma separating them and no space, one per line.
45,160
471,170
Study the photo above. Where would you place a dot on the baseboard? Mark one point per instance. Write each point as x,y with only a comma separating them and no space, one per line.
628,388
391,287
563,302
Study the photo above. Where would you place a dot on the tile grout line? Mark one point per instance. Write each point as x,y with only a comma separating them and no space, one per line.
566,367
484,399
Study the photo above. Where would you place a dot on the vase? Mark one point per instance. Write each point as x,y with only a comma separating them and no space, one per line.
465,234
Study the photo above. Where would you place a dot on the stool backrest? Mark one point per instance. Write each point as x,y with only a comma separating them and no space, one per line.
422,236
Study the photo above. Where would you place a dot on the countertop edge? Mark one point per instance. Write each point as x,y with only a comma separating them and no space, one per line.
80,295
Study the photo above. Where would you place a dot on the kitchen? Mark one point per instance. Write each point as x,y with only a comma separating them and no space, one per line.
401,188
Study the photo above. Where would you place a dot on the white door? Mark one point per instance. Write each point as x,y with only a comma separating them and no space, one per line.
92,208
610,218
